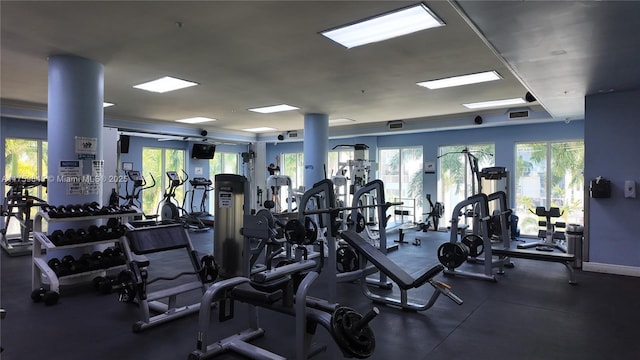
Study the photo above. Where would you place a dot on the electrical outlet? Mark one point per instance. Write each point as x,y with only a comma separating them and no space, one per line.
630,189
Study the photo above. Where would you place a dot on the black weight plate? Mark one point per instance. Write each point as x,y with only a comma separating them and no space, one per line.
474,243
354,343
346,259
452,255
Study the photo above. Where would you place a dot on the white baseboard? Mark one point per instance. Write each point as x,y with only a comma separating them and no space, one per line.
611,269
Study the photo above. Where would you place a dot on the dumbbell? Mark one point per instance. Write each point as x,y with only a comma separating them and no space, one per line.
124,284
74,210
118,231
72,264
103,232
91,208
104,285
48,297
58,238
53,211
93,233
82,236
58,267
112,257
72,236
91,261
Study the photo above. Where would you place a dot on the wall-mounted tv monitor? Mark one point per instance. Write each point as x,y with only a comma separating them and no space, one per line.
203,151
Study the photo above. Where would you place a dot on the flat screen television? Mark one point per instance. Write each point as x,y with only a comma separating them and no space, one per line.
203,151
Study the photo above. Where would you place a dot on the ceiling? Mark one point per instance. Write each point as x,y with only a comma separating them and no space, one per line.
247,54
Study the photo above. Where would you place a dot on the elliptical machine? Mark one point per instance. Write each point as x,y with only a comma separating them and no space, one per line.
170,209
133,199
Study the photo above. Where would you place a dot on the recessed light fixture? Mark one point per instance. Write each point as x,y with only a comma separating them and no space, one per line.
273,109
340,121
107,104
461,80
165,84
494,103
195,120
384,26
260,129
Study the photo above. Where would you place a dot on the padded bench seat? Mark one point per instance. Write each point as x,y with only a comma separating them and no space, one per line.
404,280
566,259
156,239
533,254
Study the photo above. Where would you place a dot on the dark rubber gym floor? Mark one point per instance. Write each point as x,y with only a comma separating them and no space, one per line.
532,312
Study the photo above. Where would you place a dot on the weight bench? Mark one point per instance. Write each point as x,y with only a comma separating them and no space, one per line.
149,240
273,289
563,258
404,280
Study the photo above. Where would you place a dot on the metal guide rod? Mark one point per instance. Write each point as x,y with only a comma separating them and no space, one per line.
338,209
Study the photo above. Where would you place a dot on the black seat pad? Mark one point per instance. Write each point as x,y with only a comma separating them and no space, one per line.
384,264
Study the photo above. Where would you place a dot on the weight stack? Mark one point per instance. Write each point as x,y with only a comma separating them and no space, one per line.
229,250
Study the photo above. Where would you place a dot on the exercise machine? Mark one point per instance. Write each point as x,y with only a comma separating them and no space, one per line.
472,246
276,290
551,238
359,168
275,183
369,258
433,216
132,199
496,253
401,278
169,208
370,214
132,284
18,205
204,187
281,288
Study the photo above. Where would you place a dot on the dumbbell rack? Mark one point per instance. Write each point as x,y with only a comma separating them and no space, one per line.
42,244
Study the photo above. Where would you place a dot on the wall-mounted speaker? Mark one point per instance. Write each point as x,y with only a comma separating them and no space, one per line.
124,144
478,120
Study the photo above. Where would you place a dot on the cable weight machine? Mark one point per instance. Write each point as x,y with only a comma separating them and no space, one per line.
18,203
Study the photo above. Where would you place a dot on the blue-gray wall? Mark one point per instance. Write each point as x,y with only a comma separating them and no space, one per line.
504,139
612,131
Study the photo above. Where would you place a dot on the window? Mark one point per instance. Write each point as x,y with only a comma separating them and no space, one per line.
401,172
455,180
292,165
338,164
222,163
25,158
549,174
158,161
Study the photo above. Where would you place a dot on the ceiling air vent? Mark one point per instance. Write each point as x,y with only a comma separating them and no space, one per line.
395,125
521,114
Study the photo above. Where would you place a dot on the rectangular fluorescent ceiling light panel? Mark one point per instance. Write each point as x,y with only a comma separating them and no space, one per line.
107,104
260,129
494,103
273,109
340,121
461,80
385,26
165,84
196,120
